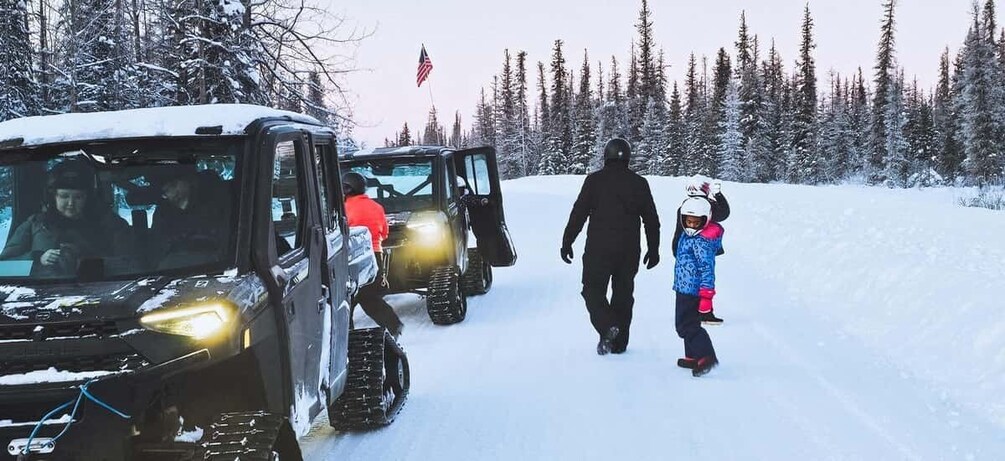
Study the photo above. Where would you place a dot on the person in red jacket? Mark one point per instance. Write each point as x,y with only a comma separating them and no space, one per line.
361,210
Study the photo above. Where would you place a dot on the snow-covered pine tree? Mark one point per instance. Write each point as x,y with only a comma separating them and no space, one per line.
978,132
98,71
542,123
316,106
920,136
895,163
610,114
508,124
219,54
722,77
767,149
554,160
676,144
404,137
634,101
433,135
483,132
948,152
885,74
859,133
809,167
523,141
731,139
697,159
751,88
19,93
455,132
585,129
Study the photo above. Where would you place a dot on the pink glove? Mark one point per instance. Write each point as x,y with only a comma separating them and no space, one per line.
705,303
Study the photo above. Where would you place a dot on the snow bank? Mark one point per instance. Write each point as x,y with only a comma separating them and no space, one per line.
910,273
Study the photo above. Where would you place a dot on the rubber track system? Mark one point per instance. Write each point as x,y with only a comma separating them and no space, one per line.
377,384
243,436
475,282
446,304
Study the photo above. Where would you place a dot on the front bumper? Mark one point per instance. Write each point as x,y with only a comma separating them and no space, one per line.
96,433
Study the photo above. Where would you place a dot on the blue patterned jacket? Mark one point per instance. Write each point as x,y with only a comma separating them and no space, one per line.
695,266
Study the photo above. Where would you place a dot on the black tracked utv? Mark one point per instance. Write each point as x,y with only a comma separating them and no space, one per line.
432,197
174,285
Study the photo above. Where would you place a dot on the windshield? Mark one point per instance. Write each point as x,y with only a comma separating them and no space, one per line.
398,184
118,211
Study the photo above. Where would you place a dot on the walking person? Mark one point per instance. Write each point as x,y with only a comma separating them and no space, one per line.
702,187
614,200
361,210
694,282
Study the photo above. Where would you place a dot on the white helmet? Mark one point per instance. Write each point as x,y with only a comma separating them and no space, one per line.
695,206
698,186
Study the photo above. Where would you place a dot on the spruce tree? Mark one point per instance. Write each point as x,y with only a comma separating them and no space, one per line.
767,149
751,88
731,153
585,128
809,167
949,153
895,163
19,93
979,133
455,132
676,144
554,160
523,144
404,137
885,69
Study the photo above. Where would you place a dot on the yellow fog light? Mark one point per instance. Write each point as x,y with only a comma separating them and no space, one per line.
428,228
197,322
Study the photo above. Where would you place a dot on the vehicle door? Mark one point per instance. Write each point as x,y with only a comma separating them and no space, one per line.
456,214
295,240
335,268
485,205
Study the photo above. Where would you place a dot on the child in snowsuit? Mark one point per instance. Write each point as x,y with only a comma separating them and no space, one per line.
694,281
700,186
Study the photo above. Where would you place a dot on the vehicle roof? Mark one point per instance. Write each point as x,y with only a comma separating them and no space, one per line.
398,152
214,119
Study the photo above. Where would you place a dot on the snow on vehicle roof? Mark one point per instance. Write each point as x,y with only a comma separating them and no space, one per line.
232,119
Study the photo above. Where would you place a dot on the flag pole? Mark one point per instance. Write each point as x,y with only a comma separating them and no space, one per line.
429,85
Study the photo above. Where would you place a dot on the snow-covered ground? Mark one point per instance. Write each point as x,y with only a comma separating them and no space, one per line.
861,323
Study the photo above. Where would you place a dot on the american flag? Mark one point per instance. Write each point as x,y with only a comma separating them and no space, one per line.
425,66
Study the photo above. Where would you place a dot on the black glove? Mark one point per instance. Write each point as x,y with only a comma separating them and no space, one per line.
651,259
567,255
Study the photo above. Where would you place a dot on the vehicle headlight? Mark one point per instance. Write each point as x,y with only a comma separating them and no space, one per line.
199,322
428,228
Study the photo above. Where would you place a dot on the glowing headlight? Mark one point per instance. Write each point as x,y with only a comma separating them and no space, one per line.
197,322
429,228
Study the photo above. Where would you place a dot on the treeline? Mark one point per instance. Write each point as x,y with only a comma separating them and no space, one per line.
97,55
744,115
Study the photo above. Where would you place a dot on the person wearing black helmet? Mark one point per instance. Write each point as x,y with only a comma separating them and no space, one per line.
71,226
361,210
614,200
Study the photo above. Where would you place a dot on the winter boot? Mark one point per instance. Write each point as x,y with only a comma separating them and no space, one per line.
686,362
704,365
606,342
709,318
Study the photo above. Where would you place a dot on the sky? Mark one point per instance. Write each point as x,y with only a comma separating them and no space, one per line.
466,39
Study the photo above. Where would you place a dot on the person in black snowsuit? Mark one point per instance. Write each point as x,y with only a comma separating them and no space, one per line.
614,200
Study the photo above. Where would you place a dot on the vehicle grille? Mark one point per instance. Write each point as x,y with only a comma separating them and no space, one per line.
114,362
38,332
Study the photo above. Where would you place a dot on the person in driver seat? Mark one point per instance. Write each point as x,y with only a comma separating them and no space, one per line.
192,215
71,226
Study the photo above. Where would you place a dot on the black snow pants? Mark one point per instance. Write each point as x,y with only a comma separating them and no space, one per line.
697,344
617,270
371,299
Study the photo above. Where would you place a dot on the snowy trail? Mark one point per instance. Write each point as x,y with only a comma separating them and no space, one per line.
519,379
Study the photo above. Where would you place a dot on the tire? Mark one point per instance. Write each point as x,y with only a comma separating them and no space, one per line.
446,303
377,384
252,436
478,277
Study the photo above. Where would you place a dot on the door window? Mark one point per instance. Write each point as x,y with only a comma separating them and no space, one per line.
287,199
327,210
477,167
